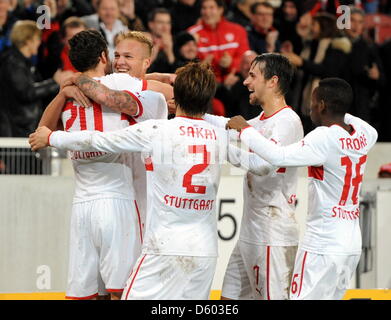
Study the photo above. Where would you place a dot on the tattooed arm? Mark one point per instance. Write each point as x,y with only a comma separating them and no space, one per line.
120,101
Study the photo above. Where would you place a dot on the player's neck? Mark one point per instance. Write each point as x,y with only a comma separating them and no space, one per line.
180,113
96,72
338,120
273,104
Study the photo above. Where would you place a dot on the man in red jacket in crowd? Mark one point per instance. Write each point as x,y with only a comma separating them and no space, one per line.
219,41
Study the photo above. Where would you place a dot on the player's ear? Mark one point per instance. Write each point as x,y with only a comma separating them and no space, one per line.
322,107
147,63
104,57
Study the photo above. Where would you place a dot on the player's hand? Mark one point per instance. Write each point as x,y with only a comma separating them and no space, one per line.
73,92
40,138
237,123
70,80
62,77
171,106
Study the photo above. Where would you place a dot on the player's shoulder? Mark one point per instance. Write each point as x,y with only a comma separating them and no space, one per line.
119,77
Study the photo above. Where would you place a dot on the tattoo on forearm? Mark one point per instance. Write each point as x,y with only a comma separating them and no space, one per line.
116,100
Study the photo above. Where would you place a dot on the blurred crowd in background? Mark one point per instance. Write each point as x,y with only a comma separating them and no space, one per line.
228,34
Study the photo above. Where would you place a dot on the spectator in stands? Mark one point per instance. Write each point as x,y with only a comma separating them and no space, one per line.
238,92
262,36
184,13
7,20
72,8
58,47
129,17
159,25
185,49
145,7
241,12
220,42
326,55
365,69
21,91
107,21
287,17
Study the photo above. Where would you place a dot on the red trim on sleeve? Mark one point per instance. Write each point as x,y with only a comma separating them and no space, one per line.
281,170
148,164
140,105
240,133
134,277
82,298
145,85
316,172
49,138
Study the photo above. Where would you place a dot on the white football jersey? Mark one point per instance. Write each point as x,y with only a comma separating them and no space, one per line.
337,161
269,200
184,173
103,174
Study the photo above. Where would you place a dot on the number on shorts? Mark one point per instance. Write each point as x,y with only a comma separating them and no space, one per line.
294,283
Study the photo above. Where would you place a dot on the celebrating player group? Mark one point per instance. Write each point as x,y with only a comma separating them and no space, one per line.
143,222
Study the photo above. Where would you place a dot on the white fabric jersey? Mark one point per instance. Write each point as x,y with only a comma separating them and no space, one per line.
338,162
186,155
102,174
269,200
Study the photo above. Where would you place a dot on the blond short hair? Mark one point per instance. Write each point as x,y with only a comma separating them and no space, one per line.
22,31
137,36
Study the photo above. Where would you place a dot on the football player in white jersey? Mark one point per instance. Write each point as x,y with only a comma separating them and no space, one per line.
106,225
261,264
336,153
180,245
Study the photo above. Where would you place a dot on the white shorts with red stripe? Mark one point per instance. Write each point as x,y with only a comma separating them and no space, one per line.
105,242
259,272
158,277
322,277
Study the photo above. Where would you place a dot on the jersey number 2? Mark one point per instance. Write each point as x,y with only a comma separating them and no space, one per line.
198,168
345,161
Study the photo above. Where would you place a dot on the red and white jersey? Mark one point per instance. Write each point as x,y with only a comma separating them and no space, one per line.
103,174
337,161
186,155
184,173
269,200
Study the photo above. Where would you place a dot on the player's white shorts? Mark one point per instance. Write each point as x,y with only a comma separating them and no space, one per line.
322,277
158,277
105,242
259,272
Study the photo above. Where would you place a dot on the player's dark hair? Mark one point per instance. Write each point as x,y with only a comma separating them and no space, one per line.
336,93
194,88
274,64
85,49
